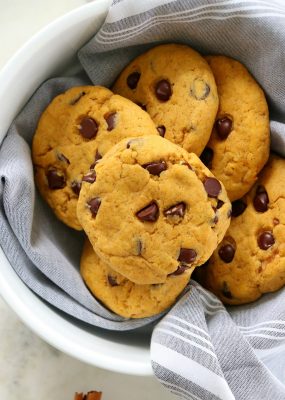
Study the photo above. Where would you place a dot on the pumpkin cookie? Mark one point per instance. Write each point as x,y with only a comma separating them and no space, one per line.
75,131
152,209
250,260
124,297
175,85
239,145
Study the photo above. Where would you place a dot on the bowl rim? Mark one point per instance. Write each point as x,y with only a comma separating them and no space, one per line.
32,310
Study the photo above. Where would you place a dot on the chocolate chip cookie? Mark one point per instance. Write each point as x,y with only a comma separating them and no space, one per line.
153,209
74,132
175,85
239,145
250,260
124,297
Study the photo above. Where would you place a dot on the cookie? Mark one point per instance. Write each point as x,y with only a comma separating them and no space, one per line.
250,260
175,85
239,145
154,208
124,297
75,131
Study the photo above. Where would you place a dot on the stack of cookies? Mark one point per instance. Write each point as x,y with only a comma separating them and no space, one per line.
124,166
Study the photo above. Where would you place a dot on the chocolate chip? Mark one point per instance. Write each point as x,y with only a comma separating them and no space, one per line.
212,187
216,219
139,247
178,209
200,89
226,291
111,120
76,187
227,252
223,127
238,207
180,270
56,179
94,205
133,79
77,98
88,128
261,199
112,281
90,177
220,204
163,90
155,167
187,256
141,105
207,157
161,130
97,159
61,157
149,213
265,240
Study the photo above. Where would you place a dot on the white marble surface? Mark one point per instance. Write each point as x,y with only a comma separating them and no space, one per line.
30,369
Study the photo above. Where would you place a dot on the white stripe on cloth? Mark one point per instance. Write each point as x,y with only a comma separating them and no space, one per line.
182,338
178,389
191,370
182,321
276,322
128,9
164,323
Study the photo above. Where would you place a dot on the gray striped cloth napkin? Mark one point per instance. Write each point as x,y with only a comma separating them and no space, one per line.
200,350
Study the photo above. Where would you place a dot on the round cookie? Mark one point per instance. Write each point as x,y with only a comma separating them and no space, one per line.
175,85
250,260
241,128
154,208
124,297
75,131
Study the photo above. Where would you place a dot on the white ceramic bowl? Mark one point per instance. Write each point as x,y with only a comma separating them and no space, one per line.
46,53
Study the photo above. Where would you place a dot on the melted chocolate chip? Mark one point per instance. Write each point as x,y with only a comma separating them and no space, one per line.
149,213
220,204
161,130
139,247
90,177
223,127
200,89
77,98
207,157
226,291
155,167
111,120
76,187
112,281
187,256
141,105
227,252
178,209
88,128
238,207
61,157
212,187
265,240
261,199
180,270
216,219
97,159
94,205
133,79
163,90
56,179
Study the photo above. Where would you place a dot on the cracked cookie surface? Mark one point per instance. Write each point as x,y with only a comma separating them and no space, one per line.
175,85
154,208
250,260
76,130
124,297
239,145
